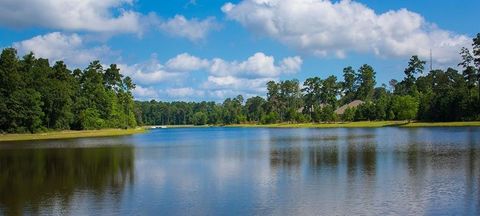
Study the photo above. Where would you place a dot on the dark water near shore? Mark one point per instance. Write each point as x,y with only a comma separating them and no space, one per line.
247,171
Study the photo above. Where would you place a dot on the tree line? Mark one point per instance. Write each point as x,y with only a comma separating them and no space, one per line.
439,95
36,96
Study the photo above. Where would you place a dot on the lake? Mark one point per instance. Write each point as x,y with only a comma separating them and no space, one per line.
247,171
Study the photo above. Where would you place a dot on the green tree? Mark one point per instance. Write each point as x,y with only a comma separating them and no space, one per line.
366,80
415,66
25,111
327,114
469,70
290,98
200,118
348,85
10,81
329,91
273,97
405,107
476,59
90,119
348,115
255,107
270,118
312,91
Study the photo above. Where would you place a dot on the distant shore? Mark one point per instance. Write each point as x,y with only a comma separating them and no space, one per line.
70,134
363,124
121,132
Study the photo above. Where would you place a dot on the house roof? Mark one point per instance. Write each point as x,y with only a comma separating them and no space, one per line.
353,104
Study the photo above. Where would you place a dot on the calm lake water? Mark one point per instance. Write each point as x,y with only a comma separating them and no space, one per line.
247,171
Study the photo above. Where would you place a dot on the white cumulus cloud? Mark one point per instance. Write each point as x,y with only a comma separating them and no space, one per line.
224,78
187,62
258,65
145,92
56,46
192,29
336,28
88,15
149,72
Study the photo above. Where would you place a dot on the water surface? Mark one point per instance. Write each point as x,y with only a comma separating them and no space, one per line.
247,171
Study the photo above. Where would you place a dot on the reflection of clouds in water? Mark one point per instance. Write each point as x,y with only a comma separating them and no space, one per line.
225,169
296,172
149,173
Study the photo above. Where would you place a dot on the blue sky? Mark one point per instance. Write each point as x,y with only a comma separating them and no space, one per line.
209,50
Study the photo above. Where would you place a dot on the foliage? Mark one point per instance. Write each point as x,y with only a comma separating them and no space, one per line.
200,118
366,82
270,118
36,96
405,107
348,115
434,96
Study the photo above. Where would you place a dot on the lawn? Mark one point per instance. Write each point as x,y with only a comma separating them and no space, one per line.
364,124
360,124
70,134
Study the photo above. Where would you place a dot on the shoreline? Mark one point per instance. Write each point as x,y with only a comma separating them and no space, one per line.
70,134
362,124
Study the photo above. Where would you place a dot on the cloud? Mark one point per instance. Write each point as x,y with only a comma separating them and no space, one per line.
252,85
258,65
56,46
192,29
145,92
87,15
224,78
174,76
104,16
326,28
149,72
186,92
187,62
248,77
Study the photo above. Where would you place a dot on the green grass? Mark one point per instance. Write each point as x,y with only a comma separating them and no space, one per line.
360,124
70,134
363,124
443,124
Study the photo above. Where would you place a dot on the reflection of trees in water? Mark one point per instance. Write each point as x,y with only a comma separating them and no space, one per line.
290,158
361,156
28,177
427,160
472,196
323,155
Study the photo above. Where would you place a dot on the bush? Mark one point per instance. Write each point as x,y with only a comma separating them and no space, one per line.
348,115
270,118
328,114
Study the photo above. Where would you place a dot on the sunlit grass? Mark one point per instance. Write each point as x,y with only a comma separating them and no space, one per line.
359,124
443,124
363,124
70,134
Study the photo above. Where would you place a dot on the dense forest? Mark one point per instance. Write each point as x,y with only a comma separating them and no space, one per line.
35,96
438,95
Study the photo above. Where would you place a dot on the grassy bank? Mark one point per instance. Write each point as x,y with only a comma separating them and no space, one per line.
363,124
70,134
443,124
